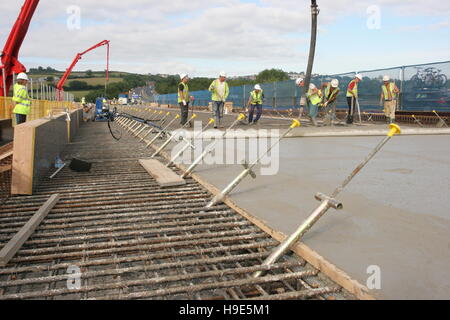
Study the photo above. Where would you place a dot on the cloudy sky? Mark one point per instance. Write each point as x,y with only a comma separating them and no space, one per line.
202,37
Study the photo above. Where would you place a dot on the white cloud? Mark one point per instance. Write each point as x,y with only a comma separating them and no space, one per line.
196,36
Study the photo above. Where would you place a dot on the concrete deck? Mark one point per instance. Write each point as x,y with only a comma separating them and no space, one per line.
396,211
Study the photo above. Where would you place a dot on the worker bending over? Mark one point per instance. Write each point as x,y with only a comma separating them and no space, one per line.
388,98
352,97
314,97
329,100
184,98
21,99
220,91
255,101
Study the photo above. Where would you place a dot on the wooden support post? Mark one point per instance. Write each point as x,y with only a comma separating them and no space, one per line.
14,245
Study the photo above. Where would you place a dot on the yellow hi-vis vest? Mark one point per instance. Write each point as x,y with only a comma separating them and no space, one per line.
315,98
329,97
391,89
256,97
185,95
355,89
23,102
215,95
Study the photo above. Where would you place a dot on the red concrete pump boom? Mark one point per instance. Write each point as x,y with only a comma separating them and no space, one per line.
78,57
9,56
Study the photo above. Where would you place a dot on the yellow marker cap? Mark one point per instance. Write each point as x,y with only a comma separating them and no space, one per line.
211,121
394,129
161,112
168,114
177,116
241,116
295,124
194,116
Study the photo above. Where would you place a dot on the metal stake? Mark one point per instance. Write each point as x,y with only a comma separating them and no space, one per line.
417,121
209,148
248,169
211,121
165,144
162,131
441,122
326,203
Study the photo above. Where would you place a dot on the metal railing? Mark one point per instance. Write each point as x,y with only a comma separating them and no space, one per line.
39,108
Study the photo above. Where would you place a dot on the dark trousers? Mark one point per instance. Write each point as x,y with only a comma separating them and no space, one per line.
184,113
351,101
251,111
21,118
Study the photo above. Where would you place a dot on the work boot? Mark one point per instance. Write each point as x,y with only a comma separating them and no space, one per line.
314,122
349,119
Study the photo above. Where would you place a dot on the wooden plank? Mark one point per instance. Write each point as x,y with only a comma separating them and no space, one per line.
163,175
11,248
312,257
5,168
6,155
23,160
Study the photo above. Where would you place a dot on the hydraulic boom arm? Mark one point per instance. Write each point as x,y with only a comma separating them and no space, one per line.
78,57
9,56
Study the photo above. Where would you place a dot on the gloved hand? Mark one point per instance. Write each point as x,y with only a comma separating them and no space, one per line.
184,103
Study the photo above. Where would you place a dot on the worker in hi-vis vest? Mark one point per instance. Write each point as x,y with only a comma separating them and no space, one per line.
314,97
329,100
388,98
352,96
220,91
21,99
255,101
184,98
300,82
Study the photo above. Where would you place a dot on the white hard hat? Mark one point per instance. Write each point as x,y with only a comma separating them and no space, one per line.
312,86
222,74
258,87
299,80
359,76
22,76
335,83
386,78
183,75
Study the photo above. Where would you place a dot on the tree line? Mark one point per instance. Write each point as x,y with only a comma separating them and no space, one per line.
170,84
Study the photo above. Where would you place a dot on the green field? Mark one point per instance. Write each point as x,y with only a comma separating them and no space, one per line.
79,94
94,81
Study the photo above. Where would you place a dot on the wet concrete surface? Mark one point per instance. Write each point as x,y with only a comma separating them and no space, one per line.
396,211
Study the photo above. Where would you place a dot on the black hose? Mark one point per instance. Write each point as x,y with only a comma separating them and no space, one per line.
312,48
111,131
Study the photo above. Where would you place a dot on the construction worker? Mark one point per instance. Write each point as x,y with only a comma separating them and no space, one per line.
184,98
388,98
255,101
329,101
300,82
352,97
220,91
314,97
21,99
